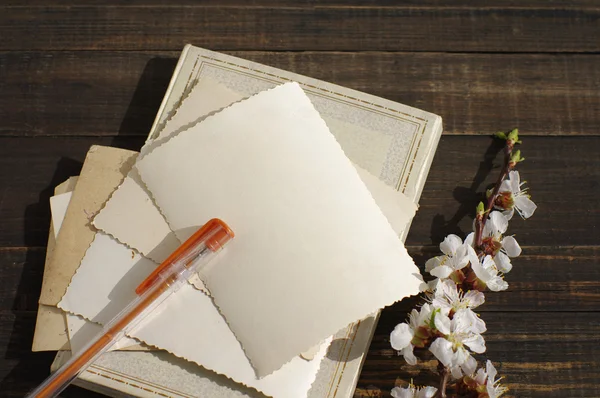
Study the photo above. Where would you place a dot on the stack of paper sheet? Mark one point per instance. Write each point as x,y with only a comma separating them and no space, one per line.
316,244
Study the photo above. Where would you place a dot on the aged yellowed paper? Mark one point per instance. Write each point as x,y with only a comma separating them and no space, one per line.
313,251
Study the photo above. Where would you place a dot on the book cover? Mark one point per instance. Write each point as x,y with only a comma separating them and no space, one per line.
392,141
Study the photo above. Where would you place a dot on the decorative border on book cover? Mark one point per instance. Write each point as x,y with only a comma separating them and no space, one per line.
352,330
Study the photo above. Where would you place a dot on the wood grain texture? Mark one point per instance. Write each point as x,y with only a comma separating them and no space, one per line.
544,279
434,4
30,168
546,284
562,173
75,73
346,28
560,170
540,355
20,369
105,93
528,348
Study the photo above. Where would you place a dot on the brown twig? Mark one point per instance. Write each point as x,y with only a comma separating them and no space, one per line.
481,219
444,377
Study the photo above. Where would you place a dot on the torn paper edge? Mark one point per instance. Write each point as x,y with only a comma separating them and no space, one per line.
416,273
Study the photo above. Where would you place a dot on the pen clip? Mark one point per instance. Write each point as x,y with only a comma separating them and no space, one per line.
214,234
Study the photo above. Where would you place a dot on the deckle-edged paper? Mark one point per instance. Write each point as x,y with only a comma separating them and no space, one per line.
50,323
58,208
140,224
79,330
313,251
102,171
129,215
186,324
98,179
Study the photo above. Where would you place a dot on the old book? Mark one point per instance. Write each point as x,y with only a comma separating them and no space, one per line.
392,141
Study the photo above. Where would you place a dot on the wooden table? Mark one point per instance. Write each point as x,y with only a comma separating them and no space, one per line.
73,75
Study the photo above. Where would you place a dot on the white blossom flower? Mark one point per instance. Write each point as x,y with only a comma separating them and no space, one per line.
413,392
494,244
511,196
455,257
487,273
450,299
401,340
493,387
486,378
459,334
402,336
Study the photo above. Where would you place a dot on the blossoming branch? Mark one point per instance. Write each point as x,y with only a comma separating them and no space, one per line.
445,324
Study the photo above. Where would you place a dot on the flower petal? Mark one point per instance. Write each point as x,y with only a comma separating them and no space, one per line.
510,245
442,272
461,262
474,298
509,213
515,181
460,356
426,392
398,392
450,244
476,343
409,355
469,365
503,262
497,284
480,376
469,239
490,370
433,285
401,336
478,325
489,263
433,262
505,186
442,349
480,272
472,256
456,372
525,206
442,304
424,314
470,322
442,323
499,222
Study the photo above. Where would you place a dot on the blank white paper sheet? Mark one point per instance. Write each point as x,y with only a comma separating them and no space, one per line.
313,251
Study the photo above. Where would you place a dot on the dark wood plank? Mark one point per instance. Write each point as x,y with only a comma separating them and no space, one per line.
21,270
562,173
543,279
30,168
21,370
105,93
540,354
84,93
534,4
346,28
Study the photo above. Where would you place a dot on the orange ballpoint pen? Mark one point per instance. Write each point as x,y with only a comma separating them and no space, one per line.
160,284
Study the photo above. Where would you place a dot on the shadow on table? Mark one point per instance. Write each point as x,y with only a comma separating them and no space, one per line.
28,368
467,197
145,103
23,369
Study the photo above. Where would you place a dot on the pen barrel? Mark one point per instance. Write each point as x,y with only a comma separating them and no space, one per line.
173,273
117,328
